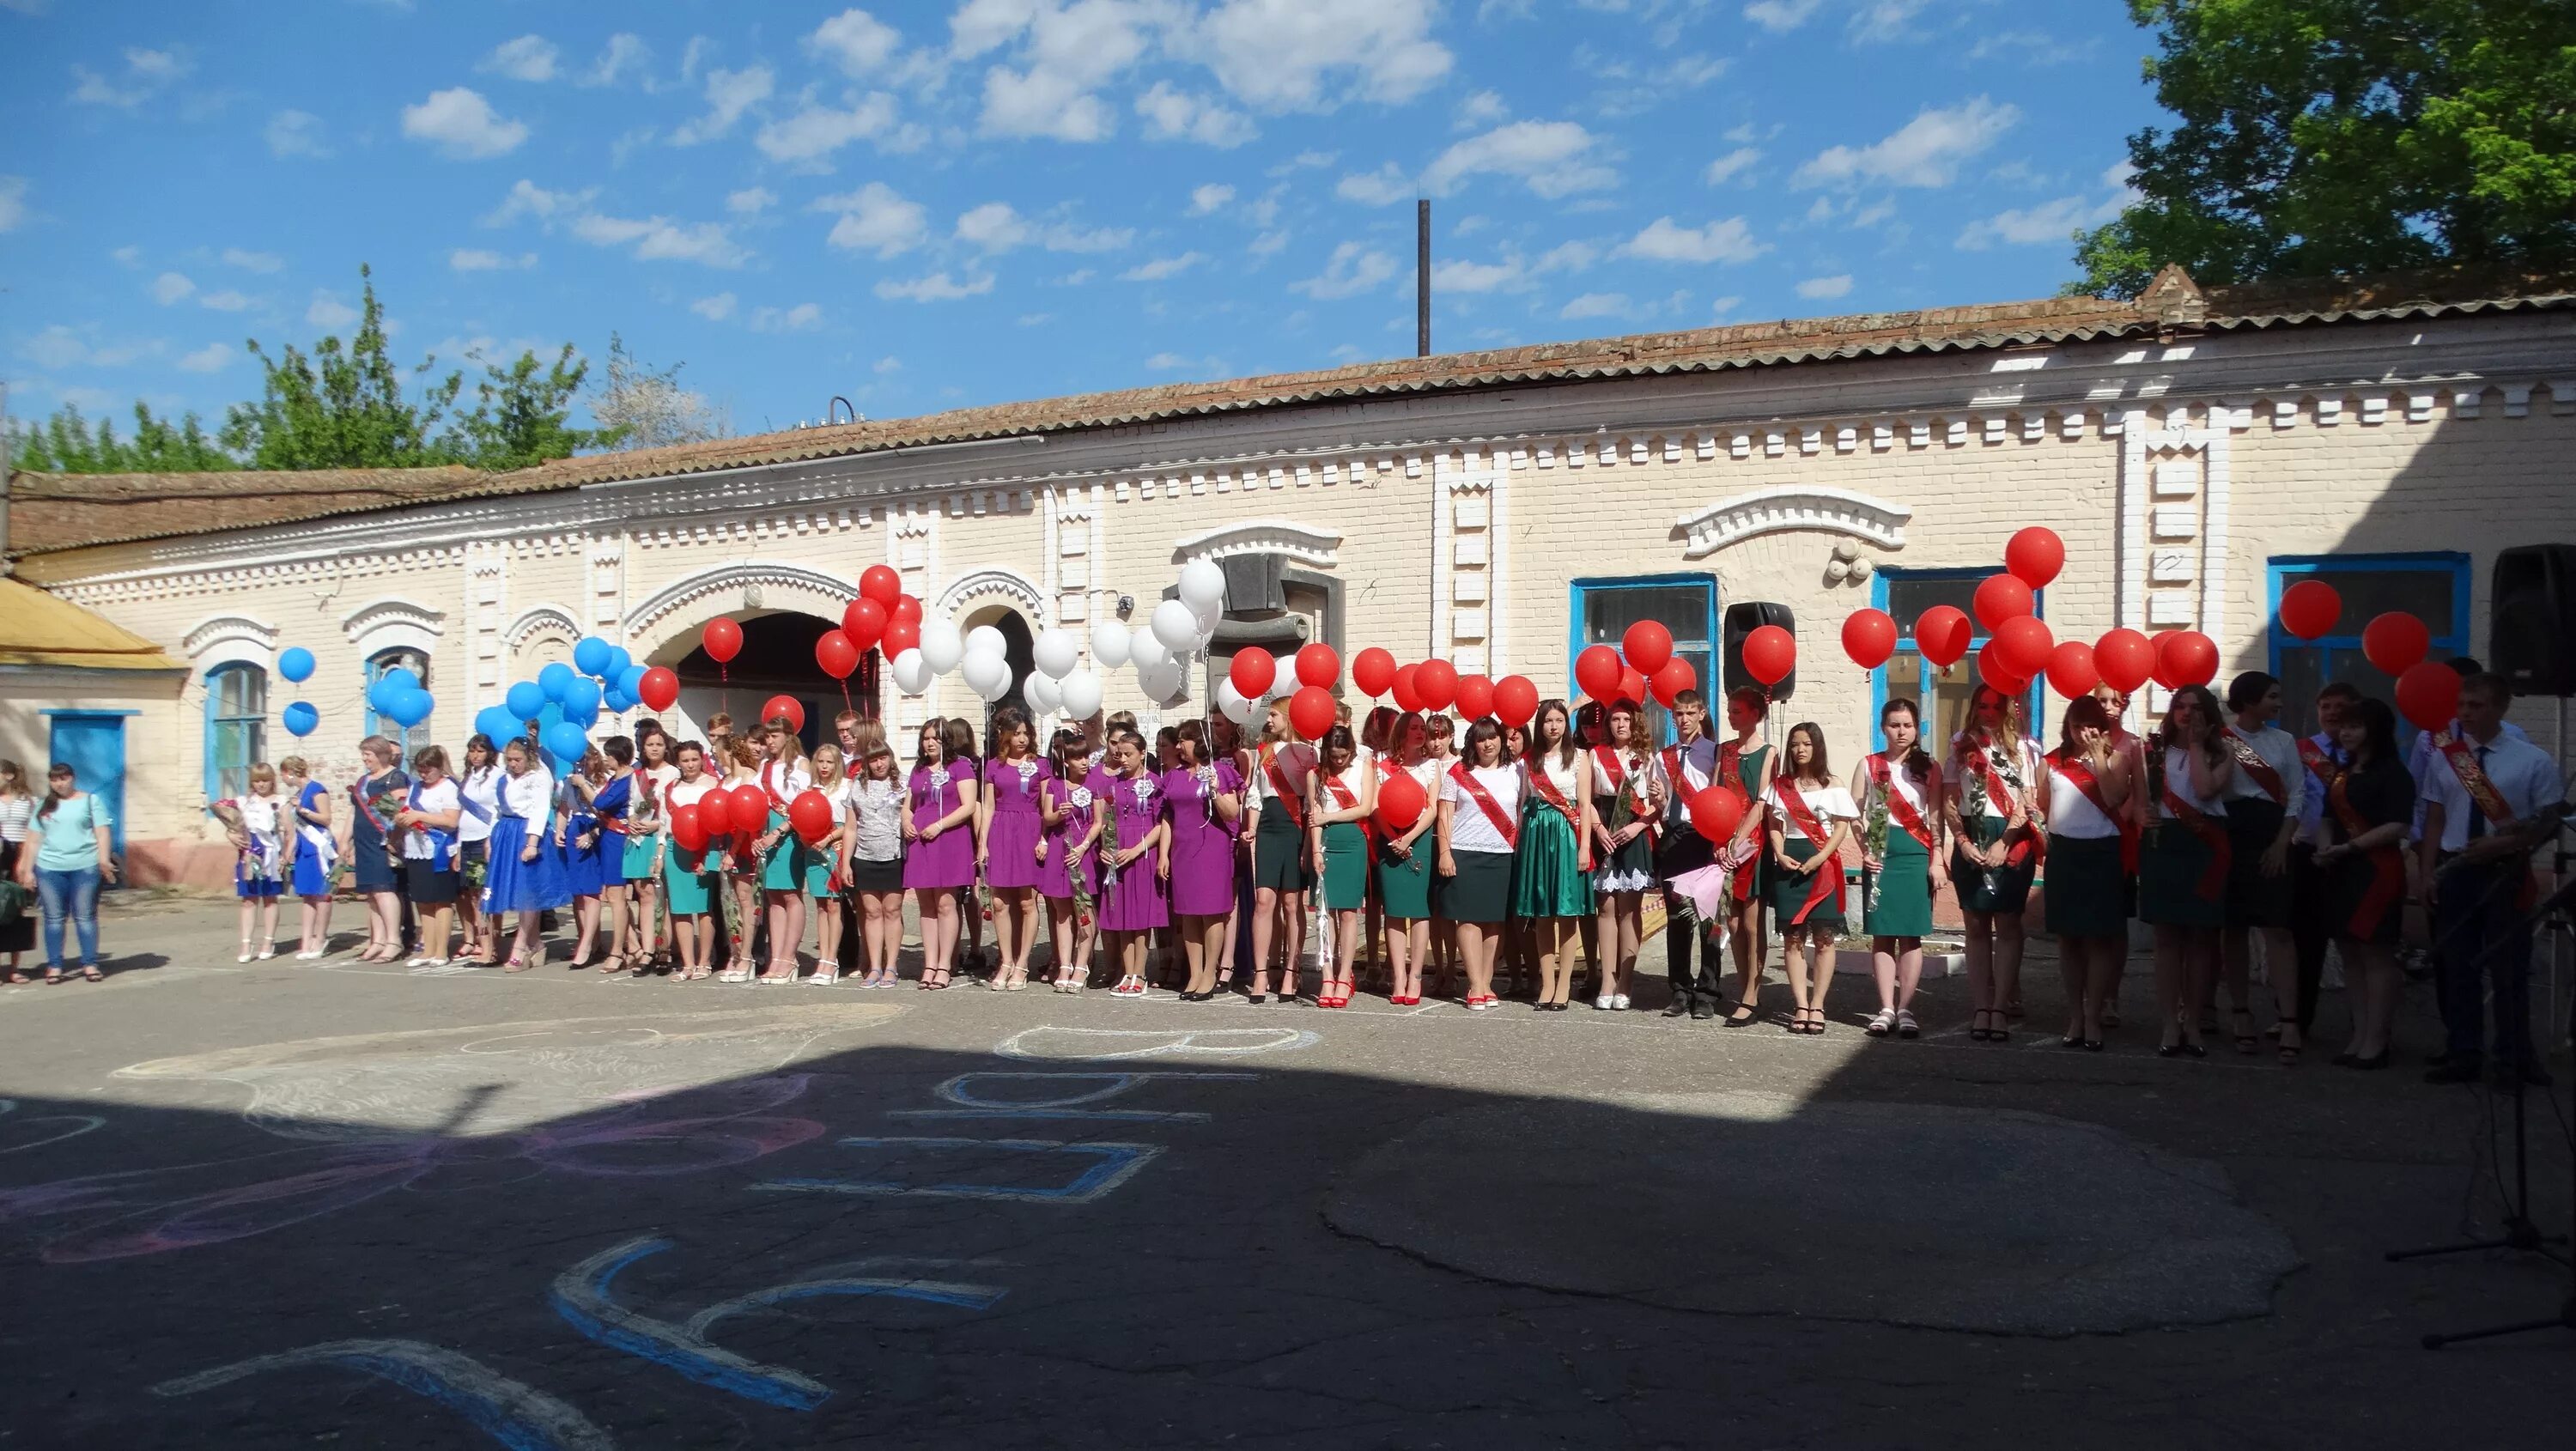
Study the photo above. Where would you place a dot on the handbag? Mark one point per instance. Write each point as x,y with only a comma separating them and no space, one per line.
13,902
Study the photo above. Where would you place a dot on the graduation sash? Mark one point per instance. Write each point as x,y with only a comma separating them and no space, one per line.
2000,790
2473,779
1505,825
1287,794
2387,870
1907,816
1547,792
2254,766
1730,774
442,844
2212,885
1827,880
2081,777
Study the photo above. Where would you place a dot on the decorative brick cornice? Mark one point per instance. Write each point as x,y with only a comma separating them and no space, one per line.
395,616
1302,542
538,617
996,579
1770,511
732,577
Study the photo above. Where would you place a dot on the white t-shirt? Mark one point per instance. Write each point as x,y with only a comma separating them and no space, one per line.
2279,750
431,801
663,777
690,793
1469,830
786,784
2071,813
479,793
1561,775
2178,782
1296,761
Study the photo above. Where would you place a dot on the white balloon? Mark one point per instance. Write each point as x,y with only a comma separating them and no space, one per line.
1202,583
998,688
1081,693
911,672
985,637
1283,679
1045,696
1055,654
986,673
941,646
1110,645
1161,682
1237,709
1146,648
1177,626
1208,619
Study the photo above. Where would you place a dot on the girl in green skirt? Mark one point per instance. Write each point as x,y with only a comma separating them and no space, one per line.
1623,846
1902,863
1808,818
1340,794
1549,892
1282,857
783,778
1480,823
2089,785
2182,871
1993,777
690,879
1404,862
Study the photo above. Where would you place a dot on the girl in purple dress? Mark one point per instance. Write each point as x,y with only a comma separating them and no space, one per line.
1063,851
1129,805
1202,800
941,855
1011,831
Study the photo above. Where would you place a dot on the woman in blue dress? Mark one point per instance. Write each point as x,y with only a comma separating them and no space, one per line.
577,852
317,855
522,876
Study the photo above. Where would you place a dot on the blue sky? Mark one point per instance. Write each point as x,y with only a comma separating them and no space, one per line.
923,205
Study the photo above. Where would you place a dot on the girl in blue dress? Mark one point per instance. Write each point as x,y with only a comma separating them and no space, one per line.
316,853
522,876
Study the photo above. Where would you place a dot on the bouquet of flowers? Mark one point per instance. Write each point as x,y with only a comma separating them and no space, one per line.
387,796
1874,842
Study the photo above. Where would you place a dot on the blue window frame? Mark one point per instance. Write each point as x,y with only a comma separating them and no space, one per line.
2434,587
1686,604
236,727
384,725
1905,594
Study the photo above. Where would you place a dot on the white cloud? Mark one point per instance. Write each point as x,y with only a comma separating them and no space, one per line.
1383,187
801,317
625,54
296,133
937,287
527,199
1182,362
2053,221
1481,109
714,309
1354,269
1665,240
60,347
1777,16
659,239
1727,167
1268,243
729,94
146,71
1555,158
875,218
887,364
1724,305
528,58
1066,54
13,202
751,200
1834,286
1303,55
225,301
252,261
208,359
1461,275
856,41
462,125
816,131
126,256
478,259
1162,267
1596,304
998,227
1172,114
1208,198
328,311
1884,20
156,65
2033,47
169,287
1924,152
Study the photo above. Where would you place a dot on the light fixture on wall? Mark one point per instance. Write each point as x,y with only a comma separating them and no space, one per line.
1846,566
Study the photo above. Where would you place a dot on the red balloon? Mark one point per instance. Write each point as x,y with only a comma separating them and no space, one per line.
1515,703
1399,803
2185,657
688,828
1373,671
1717,811
1669,682
906,609
659,688
1474,696
2428,694
879,582
2310,608
1252,673
1770,653
715,813
899,636
1407,690
1647,645
722,639
1869,637
811,816
2023,642
750,809
1999,597
1994,670
1436,681
1318,665
2126,660
2035,555
1941,635
864,621
834,652
786,705
2071,671
1597,670
1632,685
2395,641
1311,711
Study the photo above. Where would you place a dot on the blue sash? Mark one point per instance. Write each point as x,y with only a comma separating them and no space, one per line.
442,844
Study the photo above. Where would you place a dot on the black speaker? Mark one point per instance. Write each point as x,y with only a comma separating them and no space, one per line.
2531,635
1743,620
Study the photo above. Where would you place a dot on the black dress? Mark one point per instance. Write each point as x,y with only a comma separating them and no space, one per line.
18,936
2366,891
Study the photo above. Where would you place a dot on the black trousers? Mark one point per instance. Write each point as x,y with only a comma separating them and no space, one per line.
2310,930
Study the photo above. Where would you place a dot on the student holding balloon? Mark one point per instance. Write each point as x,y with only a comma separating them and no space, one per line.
778,854
690,880
1280,855
1341,794
1403,862
1745,769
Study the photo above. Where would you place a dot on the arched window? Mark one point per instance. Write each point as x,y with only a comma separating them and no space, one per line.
398,658
236,727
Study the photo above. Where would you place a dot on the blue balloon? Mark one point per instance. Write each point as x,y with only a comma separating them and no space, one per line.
554,678
497,722
550,716
582,695
410,708
302,718
297,665
567,743
619,662
590,657
381,693
525,700
631,681
616,700
584,719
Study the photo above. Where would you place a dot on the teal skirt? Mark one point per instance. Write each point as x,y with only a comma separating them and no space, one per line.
1404,882
818,876
1482,890
1346,858
688,893
1897,898
637,864
785,869
1547,874
1789,892
1279,853
2174,867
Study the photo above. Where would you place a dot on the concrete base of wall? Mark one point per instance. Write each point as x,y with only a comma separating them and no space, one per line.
168,862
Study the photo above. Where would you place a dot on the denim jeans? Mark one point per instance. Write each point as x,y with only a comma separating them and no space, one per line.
73,893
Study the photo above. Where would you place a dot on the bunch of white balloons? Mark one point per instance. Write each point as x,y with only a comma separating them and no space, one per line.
976,656
1057,683
1178,629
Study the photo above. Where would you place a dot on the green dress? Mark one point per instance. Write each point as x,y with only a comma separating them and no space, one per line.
1345,866
1897,897
1547,864
1404,882
2005,889
1752,878
1788,891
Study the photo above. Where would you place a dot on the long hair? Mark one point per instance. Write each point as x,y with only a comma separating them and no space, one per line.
1192,734
1485,729
2204,707
1411,720
2083,713
790,749
2011,709
932,738
2379,727
59,769
1008,719
1378,733
1819,767
1066,752
1565,746
1338,742
1918,761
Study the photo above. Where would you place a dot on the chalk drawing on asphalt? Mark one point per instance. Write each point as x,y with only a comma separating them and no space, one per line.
1102,1045
1105,1167
18,1135
971,1103
515,1415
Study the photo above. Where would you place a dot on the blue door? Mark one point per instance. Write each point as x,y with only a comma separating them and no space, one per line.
92,743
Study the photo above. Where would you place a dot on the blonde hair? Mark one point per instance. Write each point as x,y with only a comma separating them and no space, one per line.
827,756
790,749
292,766
263,772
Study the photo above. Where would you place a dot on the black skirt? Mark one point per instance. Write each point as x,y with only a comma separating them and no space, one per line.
426,885
18,936
868,876
2253,899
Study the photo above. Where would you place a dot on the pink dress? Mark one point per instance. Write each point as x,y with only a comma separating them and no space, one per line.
950,860
1056,877
1202,841
1133,901
1011,846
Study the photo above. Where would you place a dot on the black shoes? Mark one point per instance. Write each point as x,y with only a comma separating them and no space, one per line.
1679,1007
1701,1011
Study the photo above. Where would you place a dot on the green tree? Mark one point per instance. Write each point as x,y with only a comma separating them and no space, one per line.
66,443
342,407
520,415
2335,137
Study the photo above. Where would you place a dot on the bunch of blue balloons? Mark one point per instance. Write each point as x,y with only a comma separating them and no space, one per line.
565,701
296,664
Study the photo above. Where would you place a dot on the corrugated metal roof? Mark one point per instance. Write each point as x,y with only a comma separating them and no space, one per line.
37,628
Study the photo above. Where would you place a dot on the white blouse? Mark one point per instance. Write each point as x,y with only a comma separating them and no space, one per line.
479,798
663,777
2072,814
1468,828
1960,764
877,808
787,784
1560,774
434,800
2280,751
1296,762
1829,803
2178,782
1901,782
530,796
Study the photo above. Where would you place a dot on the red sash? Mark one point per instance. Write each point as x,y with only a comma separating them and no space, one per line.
2387,870
2081,777
1509,829
2212,886
2256,767
1548,793
2473,779
2319,764
2000,790
1343,796
1607,761
1899,810
1828,879
1730,774
776,801
1287,795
